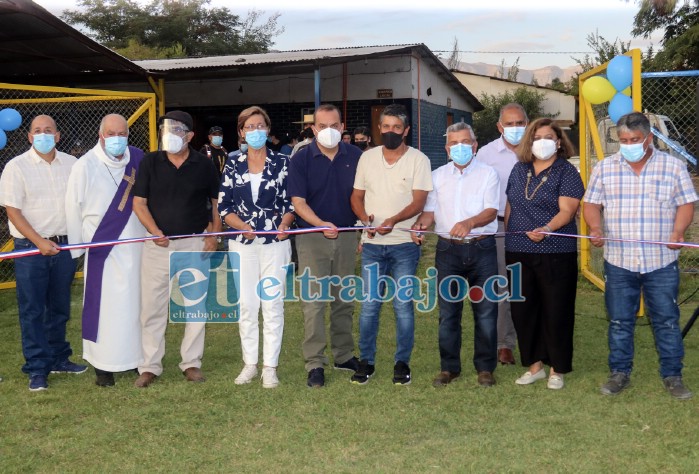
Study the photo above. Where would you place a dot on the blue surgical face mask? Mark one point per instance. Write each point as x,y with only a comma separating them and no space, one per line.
461,154
513,135
256,139
115,146
44,142
243,147
216,140
632,153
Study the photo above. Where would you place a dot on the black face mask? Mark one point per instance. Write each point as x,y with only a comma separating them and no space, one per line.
392,140
362,144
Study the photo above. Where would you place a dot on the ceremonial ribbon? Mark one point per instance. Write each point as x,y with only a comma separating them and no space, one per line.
308,230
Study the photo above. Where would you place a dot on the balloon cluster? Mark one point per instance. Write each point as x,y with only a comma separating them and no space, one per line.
615,88
10,120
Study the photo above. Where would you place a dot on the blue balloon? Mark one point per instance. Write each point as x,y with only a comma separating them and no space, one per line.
619,106
3,139
10,120
619,72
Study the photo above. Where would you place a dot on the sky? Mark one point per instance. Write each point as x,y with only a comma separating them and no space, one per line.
539,32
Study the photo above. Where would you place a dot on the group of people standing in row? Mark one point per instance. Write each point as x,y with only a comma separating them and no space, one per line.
521,185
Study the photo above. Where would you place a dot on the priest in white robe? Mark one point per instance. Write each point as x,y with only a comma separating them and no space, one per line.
98,209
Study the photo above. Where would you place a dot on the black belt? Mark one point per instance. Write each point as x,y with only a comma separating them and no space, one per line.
501,218
464,241
59,239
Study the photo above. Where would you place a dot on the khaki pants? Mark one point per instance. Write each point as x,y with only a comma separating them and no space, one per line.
324,257
155,282
507,336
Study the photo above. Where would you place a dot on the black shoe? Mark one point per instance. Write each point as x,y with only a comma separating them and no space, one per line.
363,373
351,364
616,382
104,379
401,373
316,378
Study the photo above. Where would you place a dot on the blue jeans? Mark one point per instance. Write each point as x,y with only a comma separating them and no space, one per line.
622,297
475,262
43,298
381,261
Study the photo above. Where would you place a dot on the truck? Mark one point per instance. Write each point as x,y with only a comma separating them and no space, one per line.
610,140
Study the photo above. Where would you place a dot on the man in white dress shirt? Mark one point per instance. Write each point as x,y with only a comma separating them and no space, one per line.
32,189
99,208
463,206
500,154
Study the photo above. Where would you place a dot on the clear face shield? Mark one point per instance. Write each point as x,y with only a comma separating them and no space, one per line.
174,135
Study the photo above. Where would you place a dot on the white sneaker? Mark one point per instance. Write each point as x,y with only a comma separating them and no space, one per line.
555,382
528,377
248,373
269,377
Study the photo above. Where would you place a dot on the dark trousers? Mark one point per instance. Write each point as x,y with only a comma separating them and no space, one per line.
474,263
545,321
43,298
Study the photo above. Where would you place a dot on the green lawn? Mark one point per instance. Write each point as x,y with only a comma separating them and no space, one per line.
218,426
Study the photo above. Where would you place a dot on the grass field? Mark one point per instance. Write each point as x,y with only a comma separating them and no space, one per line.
217,426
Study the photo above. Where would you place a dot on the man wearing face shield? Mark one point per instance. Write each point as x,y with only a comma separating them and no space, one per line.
320,185
464,201
176,193
98,208
500,154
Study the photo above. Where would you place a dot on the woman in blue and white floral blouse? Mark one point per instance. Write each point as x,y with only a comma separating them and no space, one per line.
253,197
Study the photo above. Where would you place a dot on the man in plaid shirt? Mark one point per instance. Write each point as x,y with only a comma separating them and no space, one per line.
643,194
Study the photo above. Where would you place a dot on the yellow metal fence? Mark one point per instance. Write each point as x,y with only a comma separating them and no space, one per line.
78,113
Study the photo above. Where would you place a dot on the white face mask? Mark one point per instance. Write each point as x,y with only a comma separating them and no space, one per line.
172,143
329,137
544,148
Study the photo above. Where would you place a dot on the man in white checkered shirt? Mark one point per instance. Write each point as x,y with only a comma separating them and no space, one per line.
645,194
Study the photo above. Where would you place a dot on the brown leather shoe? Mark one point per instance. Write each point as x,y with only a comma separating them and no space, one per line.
444,378
145,379
486,379
505,356
193,374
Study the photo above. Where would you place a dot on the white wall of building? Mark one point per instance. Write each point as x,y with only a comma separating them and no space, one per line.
554,101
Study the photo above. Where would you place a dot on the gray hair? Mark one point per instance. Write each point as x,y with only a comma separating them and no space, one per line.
513,105
104,120
633,122
457,127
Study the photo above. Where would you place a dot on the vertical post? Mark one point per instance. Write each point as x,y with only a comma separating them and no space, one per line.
316,85
696,127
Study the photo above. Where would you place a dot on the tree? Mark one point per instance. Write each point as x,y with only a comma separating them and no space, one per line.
604,51
512,72
681,36
485,120
455,56
161,25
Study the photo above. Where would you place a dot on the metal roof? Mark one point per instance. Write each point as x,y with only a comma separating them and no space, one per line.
38,48
272,57
275,62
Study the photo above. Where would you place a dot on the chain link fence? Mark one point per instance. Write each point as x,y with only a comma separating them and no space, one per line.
671,102
77,113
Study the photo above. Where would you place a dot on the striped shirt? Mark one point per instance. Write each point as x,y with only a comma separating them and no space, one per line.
38,189
641,207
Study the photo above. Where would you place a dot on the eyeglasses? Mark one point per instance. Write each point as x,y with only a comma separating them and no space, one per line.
176,130
251,127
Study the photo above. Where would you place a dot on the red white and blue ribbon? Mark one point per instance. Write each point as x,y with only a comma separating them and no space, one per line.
308,230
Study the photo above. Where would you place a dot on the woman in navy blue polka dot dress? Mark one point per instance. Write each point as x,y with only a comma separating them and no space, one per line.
543,196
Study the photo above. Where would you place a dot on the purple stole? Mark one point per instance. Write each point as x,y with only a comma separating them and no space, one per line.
110,228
